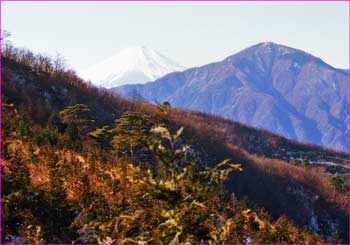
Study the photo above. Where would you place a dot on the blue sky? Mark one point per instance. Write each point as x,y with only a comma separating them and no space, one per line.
191,33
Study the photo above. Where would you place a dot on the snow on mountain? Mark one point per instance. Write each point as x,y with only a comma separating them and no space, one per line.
134,65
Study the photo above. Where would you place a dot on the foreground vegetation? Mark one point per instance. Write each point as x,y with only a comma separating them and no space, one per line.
59,190
83,165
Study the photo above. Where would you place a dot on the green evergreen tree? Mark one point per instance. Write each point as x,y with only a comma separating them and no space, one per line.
7,123
19,171
132,129
5,151
338,183
78,115
31,154
22,127
55,122
71,138
103,136
305,162
55,174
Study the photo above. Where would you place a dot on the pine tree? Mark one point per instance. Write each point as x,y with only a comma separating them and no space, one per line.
56,184
71,137
55,122
22,127
305,162
19,171
293,162
131,129
338,183
103,136
78,115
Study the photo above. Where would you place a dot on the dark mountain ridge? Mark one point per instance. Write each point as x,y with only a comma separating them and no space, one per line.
270,86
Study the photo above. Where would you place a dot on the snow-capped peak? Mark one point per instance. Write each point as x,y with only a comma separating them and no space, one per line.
130,66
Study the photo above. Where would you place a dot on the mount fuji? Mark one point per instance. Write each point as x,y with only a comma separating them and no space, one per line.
134,65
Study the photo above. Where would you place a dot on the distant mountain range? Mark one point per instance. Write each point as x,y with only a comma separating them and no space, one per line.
129,66
270,86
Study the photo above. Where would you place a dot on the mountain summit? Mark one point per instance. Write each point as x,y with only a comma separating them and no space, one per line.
130,66
270,86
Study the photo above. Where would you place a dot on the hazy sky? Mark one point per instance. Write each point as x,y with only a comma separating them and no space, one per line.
191,33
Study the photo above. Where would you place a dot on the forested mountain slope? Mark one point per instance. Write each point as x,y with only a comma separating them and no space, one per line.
73,173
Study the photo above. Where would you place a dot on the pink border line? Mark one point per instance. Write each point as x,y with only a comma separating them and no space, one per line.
0,126
349,116
175,1
267,1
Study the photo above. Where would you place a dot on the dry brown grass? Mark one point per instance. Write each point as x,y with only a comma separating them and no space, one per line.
313,177
217,134
39,174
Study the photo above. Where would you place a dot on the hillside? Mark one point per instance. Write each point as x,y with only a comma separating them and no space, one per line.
269,86
106,195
